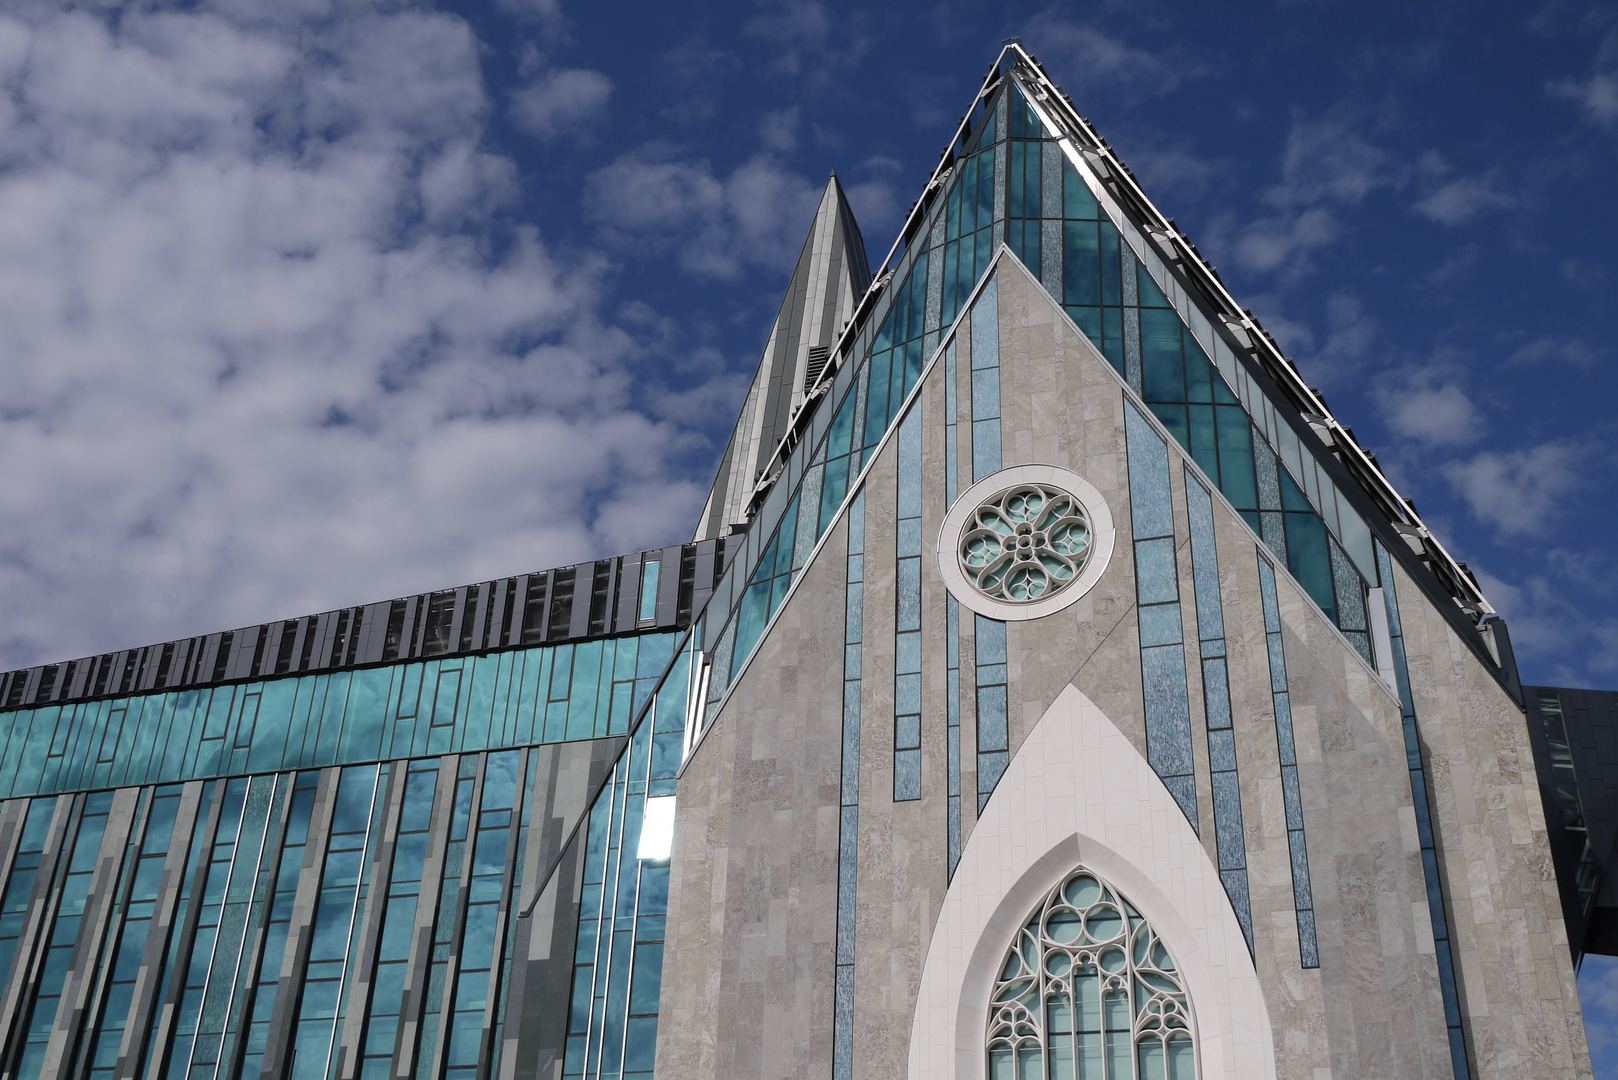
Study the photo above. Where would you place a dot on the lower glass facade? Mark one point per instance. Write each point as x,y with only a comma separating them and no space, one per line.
349,921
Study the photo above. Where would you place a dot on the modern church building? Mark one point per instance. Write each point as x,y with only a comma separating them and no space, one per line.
1052,689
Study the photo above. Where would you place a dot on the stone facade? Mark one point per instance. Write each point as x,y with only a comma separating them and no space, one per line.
748,988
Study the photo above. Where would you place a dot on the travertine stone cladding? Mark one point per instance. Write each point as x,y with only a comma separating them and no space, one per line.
1517,988
1374,1005
1060,405
748,964
903,845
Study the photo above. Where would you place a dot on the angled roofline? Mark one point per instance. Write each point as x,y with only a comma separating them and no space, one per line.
1178,249
1239,322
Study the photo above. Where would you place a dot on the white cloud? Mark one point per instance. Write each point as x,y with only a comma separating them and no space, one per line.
757,216
808,42
1597,95
1084,58
1327,161
561,101
778,130
1519,492
1463,199
258,357
1286,240
1573,352
1327,166
1438,415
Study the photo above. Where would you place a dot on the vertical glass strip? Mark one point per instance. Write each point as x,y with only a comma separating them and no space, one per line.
618,956
1421,800
1302,896
330,935
398,919
907,615
1157,591
24,869
849,820
140,906
989,640
1230,838
986,381
288,869
73,897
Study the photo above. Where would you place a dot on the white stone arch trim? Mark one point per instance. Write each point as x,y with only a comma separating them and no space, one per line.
1078,792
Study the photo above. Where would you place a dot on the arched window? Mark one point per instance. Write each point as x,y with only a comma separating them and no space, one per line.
1089,992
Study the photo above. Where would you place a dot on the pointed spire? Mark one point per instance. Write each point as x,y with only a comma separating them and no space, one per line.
831,276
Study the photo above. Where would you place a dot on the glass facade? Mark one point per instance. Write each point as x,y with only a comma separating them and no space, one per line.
328,910
545,694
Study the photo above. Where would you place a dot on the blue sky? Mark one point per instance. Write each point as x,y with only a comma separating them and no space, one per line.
307,304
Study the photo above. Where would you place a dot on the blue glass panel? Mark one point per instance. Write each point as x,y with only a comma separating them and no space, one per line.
1149,501
1160,625
1155,576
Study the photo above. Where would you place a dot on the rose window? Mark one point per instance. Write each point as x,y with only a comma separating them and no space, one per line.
1025,543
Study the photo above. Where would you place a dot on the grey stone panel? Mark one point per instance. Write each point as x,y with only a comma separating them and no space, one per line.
749,957
1517,988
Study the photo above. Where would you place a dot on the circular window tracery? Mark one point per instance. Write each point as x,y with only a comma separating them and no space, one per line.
1088,991
1025,543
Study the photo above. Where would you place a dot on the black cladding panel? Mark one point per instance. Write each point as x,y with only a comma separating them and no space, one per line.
1576,731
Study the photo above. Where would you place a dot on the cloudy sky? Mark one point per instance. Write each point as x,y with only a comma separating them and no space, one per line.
306,304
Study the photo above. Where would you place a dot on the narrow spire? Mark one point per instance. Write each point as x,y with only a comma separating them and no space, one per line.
831,276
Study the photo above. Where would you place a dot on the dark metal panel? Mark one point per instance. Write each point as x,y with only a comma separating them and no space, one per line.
519,609
208,658
418,626
179,662
668,588
146,670
85,967
706,559
81,679
628,593
31,687
480,616
457,619
495,626
376,632
407,632
319,653
301,629
583,590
